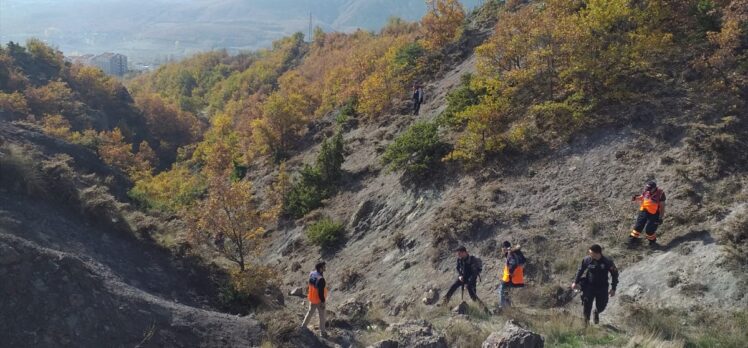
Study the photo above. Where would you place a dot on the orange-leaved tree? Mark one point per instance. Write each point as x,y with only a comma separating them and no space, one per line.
442,23
229,219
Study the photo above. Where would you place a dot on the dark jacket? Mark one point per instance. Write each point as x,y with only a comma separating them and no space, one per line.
418,96
595,273
466,270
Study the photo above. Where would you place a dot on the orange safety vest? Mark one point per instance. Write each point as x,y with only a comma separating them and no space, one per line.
313,293
517,278
651,201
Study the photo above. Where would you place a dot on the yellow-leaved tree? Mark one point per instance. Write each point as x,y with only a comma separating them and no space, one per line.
284,115
442,23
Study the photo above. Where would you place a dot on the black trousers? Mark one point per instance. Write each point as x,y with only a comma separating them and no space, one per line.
597,294
470,288
416,108
648,223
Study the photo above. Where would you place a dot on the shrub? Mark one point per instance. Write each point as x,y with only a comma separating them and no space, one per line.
417,150
306,194
61,178
316,183
460,99
330,159
347,111
325,233
243,290
100,206
19,171
407,57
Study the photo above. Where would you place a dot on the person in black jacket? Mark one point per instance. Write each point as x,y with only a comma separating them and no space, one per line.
592,276
417,98
468,268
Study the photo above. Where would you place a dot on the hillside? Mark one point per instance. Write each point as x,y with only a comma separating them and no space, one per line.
537,135
155,30
74,273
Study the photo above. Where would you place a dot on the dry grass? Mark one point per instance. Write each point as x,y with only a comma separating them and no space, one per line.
281,326
734,235
651,340
462,333
349,277
371,336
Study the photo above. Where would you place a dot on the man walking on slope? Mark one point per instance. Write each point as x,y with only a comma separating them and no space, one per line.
592,276
513,275
317,295
468,268
417,98
651,213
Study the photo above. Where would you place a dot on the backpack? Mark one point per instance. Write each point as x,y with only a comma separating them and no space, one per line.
477,266
521,260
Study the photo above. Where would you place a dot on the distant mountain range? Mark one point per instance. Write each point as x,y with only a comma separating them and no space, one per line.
153,30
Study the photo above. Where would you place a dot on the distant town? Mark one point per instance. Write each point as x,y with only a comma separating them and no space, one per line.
114,64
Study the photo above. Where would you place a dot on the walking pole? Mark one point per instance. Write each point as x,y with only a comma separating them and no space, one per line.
462,294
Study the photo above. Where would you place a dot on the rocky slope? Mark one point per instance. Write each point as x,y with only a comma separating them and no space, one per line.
400,232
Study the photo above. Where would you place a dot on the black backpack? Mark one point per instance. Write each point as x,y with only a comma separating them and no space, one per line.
476,265
521,260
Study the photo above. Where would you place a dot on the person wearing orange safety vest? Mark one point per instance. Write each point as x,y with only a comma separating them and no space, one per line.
317,295
651,213
513,274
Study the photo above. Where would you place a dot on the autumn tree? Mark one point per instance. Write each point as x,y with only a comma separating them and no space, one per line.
284,115
56,126
11,78
229,220
95,88
13,105
144,161
729,58
169,124
172,190
278,191
114,150
544,81
442,23
53,98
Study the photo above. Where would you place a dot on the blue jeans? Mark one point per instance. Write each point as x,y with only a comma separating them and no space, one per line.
504,295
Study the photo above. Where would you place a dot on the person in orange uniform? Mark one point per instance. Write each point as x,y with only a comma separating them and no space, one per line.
513,275
651,213
317,295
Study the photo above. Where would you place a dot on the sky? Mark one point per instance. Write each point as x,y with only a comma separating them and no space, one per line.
150,31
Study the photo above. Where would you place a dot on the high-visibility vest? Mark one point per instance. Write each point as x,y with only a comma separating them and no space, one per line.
651,201
517,278
313,293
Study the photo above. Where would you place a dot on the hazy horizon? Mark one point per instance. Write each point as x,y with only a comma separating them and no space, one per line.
151,31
